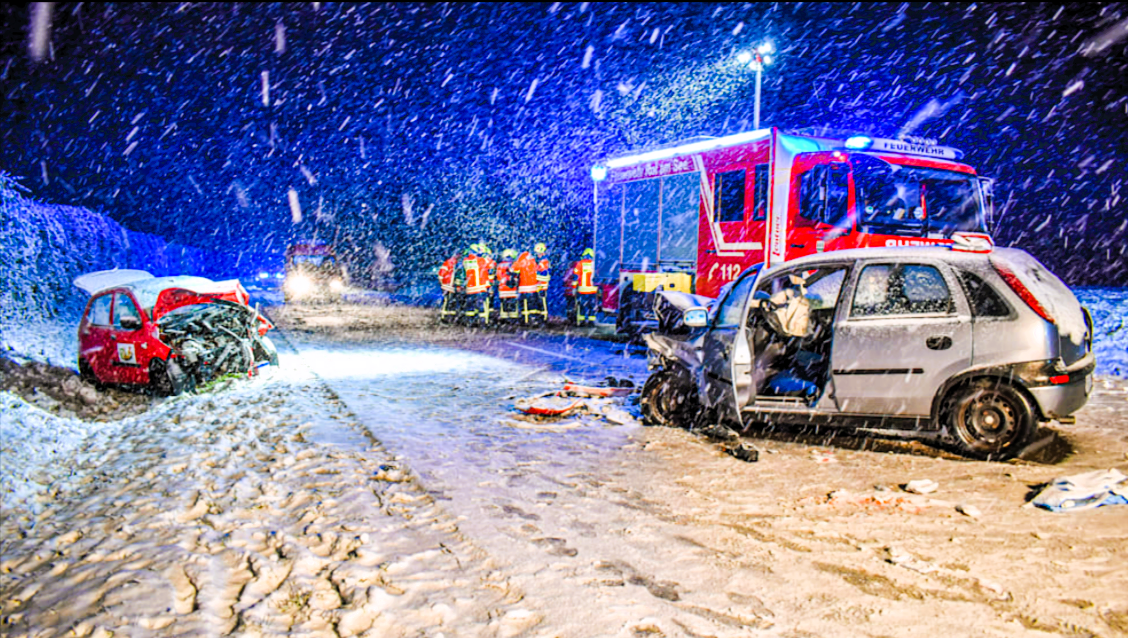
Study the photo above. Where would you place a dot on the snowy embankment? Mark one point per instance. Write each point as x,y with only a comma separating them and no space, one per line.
43,247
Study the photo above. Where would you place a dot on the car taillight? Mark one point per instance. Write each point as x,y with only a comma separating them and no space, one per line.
1059,379
1021,290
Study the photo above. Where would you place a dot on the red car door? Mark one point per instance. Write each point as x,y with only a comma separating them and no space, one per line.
95,338
130,341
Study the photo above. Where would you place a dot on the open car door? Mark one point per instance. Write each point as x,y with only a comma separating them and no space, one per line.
726,365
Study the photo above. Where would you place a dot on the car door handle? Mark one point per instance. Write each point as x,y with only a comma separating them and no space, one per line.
938,343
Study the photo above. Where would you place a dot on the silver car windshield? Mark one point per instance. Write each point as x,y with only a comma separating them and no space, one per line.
910,200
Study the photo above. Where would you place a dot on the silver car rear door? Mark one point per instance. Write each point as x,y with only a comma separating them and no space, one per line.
726,365
907,329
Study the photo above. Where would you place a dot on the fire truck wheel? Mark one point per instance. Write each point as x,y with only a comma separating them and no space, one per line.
989,419
669,398
167,378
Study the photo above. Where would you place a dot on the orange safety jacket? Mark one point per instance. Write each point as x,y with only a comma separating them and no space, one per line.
507,280
542,274
477,274
584,270
446,273
526,269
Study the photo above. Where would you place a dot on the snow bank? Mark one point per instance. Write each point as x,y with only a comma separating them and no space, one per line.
36,447
1109,307
43,247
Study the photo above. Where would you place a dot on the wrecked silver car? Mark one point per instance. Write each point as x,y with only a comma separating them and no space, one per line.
969,349
168,334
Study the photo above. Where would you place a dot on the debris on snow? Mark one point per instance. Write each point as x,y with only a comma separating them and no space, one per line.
921,486
969,510
1084,491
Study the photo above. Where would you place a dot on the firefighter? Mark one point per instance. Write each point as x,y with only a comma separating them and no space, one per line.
570,282
540,251
491,277
587,293
508,282
452,305
477,286
527,296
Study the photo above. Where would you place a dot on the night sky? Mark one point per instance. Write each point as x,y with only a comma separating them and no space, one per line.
427,126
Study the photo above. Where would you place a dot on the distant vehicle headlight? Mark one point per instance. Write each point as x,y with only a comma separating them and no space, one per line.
336,285
299,285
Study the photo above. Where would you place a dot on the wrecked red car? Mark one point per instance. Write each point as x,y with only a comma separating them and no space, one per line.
168,334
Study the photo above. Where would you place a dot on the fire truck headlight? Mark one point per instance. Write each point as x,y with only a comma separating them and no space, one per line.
598,173
336,285
299,285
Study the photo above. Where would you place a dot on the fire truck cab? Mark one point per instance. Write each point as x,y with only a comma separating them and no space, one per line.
693,216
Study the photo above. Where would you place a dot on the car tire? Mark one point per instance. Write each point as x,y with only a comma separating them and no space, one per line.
86,373
989,419
266,351
168,378
669,398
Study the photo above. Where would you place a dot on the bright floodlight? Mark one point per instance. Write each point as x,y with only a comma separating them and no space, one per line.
598,173
744,57
767,59
765,48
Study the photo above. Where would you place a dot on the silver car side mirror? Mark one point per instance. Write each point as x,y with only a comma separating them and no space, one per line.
696,317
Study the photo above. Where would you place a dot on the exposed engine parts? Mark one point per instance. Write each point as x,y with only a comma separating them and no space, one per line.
217,339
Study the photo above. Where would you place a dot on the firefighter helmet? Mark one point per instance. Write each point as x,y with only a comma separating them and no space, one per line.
509,253
540,248
588,254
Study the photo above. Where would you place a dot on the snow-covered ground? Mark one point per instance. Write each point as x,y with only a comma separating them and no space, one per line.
379,483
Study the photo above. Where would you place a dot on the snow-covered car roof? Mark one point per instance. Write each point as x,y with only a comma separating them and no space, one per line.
147,288
97,281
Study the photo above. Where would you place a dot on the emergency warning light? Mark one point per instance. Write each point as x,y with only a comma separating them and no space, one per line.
859,142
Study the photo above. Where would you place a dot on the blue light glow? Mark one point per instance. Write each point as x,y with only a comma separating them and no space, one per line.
598,173
859,142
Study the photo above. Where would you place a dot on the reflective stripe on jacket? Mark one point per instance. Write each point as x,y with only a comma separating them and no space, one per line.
477,275
584,270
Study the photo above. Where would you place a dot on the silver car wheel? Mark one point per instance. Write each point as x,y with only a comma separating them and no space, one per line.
669,398
990,419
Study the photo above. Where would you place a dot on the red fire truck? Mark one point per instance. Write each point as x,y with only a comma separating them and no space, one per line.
693,216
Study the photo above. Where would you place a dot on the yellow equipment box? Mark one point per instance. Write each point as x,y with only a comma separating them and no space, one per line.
650,281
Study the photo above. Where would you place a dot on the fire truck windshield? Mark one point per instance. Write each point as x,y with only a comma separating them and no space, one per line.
910,200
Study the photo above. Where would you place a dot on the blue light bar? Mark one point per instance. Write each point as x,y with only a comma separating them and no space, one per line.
859,142
598,173
687,149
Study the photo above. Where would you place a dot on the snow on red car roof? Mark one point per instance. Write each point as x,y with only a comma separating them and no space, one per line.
97,281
